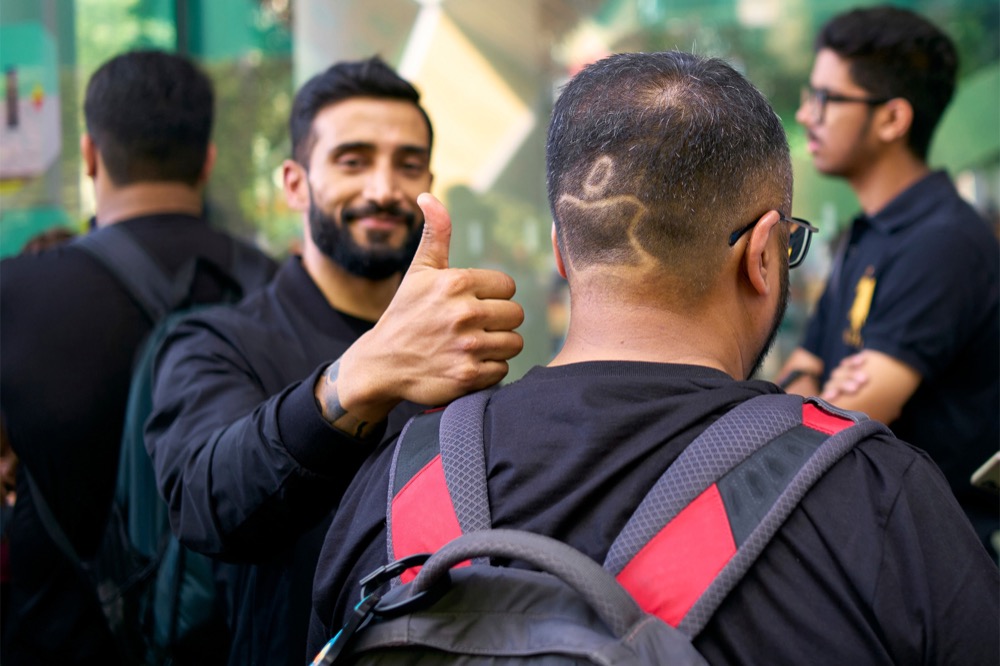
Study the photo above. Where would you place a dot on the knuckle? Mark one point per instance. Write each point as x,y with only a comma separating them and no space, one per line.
467,374
468,344
458,281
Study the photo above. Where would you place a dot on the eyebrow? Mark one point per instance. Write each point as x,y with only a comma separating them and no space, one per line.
342,148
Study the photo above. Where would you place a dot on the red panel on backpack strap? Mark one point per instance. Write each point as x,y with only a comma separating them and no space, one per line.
668,575
818,419
423,518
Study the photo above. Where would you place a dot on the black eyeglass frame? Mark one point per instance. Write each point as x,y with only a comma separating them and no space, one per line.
821,97
807,228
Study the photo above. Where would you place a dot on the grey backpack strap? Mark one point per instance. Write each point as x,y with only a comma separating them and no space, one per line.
824,457
771,459
456,433
463,456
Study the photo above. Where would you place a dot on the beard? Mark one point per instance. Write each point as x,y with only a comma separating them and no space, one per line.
779,314
377,262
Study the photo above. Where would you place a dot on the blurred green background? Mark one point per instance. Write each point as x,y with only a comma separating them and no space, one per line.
489,72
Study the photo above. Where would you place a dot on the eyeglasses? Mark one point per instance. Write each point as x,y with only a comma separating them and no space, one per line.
798,239
816,99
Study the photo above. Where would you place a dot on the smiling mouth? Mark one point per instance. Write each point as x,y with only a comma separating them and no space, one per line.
384,223
373,216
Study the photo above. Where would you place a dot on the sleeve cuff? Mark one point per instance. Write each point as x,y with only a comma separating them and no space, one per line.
315,444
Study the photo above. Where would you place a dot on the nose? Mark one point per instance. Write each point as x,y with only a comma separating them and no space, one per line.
381,186
804,114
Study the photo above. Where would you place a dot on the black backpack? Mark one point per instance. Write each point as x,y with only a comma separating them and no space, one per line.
689,542
159,598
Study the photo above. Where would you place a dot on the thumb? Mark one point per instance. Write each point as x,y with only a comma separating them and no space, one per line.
433,249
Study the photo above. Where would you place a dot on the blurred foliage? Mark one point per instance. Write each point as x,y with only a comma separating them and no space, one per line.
251,133
253,99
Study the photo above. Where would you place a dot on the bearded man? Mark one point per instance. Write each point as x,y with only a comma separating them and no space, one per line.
249,399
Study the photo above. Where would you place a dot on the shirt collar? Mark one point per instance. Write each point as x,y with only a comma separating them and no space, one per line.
910,205
292,278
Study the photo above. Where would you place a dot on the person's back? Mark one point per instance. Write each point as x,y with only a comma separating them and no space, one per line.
655,161
70,332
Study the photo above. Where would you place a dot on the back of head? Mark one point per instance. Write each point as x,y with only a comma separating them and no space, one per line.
370,78
150,115
894,52
654,158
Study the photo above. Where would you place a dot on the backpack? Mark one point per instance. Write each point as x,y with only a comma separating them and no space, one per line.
689,542
159,598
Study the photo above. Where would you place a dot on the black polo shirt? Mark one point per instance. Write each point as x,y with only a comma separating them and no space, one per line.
918,281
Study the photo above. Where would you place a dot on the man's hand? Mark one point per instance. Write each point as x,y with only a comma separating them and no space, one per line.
847,378
872,382
447,332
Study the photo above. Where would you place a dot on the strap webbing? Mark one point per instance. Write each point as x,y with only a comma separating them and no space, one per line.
463,456
137,272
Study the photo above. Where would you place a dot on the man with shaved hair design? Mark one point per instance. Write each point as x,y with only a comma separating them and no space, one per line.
670,185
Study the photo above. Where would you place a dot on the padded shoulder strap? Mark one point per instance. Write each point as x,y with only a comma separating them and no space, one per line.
118,251
437,479
713,511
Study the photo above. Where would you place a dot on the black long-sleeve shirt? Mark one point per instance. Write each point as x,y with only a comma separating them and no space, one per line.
69,332
250,469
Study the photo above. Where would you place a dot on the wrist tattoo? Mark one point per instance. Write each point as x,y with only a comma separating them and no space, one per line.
331,407
333,411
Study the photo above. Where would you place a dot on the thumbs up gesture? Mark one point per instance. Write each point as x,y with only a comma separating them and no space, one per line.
447,332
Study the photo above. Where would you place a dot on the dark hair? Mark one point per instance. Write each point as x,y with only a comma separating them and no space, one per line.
345,80
894,52
662,155
150,115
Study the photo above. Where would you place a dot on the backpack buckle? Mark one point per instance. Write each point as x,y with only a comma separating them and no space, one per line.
410,601
385,573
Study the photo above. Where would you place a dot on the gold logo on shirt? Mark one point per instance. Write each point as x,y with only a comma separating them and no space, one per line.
864,290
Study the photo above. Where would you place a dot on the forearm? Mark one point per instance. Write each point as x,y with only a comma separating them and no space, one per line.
801,374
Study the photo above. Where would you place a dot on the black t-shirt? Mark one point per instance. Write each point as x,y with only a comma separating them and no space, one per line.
69,333
863,572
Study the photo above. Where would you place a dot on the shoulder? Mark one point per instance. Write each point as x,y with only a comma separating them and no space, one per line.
877,477
64,264
61,284
947,223
251,318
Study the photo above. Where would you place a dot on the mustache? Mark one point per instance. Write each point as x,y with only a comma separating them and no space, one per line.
372,209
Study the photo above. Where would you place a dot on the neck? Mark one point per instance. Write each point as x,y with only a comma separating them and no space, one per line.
604,326
357,296
115,204
886,179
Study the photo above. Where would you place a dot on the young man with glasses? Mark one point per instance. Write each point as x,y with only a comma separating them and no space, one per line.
907,329
678,276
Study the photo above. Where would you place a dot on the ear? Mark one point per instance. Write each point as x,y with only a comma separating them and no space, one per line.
560,266
206,170
762,254
895,120
295,183
88,152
